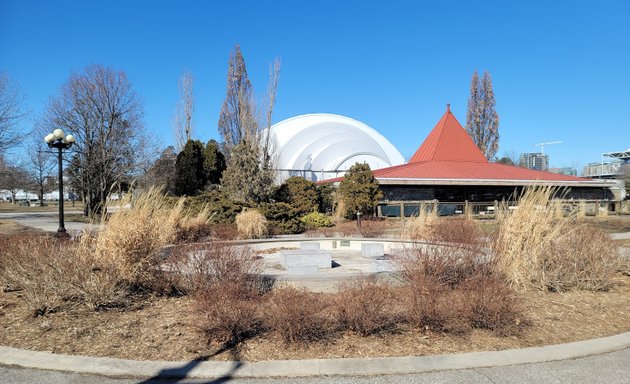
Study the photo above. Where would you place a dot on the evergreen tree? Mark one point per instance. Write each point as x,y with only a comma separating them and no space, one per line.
214,162
482,120
244,179
300,193
359,191
190,176
244,129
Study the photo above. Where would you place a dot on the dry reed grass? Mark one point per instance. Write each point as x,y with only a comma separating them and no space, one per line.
537,247
420,227
251,224
131,240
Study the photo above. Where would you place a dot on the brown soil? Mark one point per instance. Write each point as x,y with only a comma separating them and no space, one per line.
163,328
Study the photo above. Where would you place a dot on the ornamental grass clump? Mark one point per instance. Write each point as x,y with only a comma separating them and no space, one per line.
537,247
420,227
131,240
251,224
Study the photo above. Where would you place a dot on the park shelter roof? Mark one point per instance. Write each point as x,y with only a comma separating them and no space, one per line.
448,156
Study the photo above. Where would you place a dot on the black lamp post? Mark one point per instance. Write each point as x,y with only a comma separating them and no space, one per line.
59,140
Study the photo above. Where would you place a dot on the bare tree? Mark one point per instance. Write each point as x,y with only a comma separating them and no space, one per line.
482,120
266,141
237,118
244,127
41,168
99,106
11,112
508,158
182,121
13,178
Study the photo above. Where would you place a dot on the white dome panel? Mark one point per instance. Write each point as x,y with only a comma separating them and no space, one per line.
321,146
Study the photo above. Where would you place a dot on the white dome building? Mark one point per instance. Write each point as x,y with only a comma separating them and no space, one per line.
322,146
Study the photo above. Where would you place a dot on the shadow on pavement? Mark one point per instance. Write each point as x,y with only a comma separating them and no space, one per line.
176,375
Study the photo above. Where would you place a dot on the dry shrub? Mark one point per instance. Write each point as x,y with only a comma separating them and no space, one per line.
450,266
460,230
451,289
228,289
491,304
224,231
35,266
226,316
251,224
432,275
585,258
367,307
372,228
420,227
52,274
299,316
346,228
535,248
436,307
200,266
103,268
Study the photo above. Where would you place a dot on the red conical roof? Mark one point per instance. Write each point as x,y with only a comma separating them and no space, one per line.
448,141
448,155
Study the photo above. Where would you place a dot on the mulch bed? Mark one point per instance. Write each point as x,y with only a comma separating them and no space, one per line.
162,328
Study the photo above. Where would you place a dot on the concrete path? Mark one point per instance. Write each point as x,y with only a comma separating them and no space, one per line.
46,221
610,368
620,236
312,367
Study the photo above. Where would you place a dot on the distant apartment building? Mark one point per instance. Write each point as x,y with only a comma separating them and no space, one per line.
609,169
536,161
569,171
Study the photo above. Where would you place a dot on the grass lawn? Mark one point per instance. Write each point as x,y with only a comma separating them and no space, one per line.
51,207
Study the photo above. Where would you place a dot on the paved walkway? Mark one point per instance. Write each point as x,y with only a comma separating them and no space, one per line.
314,367
46,221
609,368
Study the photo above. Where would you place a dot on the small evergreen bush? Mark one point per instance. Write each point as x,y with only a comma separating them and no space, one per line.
283,219
316,220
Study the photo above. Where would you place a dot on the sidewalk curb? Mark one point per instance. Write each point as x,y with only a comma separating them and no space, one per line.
314,367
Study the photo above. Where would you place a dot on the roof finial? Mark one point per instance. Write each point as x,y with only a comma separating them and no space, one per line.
448,107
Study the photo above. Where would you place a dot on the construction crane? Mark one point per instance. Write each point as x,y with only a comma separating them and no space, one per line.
542,145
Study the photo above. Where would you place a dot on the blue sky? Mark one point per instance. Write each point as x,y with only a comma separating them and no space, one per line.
560,69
